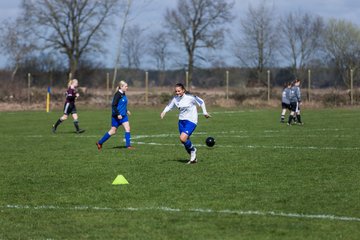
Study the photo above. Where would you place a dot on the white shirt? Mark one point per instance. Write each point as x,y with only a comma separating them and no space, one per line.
187,106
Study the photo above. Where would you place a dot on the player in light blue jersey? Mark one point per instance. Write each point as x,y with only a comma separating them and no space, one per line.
295,102
119,116
188,117
285,101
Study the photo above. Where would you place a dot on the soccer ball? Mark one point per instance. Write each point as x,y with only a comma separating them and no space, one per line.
210,141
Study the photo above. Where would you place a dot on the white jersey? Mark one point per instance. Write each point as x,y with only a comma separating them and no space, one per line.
187,106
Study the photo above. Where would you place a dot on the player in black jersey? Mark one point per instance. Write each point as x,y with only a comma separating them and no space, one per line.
69,106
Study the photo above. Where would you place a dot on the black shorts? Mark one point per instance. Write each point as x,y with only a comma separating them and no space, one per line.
285,105
69,108
294,106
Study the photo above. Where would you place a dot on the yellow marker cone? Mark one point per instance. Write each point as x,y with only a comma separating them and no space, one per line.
120,180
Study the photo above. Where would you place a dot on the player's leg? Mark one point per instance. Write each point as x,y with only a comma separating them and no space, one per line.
185,140
115,123
298,116
63,117
186,128
291,116
283,112
106,137
76,123
292,112
126,126
58,122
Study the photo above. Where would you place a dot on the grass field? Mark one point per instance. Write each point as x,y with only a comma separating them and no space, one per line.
262,180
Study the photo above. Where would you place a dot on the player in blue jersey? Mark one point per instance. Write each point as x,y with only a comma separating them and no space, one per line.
285,101
295,102
188,117
119,116
69,106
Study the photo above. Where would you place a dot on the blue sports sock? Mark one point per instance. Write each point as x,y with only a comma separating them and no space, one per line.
104,138
127,139
188,146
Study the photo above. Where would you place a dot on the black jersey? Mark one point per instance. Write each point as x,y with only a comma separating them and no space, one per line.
70,95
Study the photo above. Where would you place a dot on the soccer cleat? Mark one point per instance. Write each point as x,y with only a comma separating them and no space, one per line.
99,146
192,162
80,131
130,148
288,124
53,129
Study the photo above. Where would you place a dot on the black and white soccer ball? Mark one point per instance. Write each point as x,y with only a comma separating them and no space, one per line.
210,142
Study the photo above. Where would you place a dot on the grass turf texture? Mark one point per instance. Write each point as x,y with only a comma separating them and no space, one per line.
58,186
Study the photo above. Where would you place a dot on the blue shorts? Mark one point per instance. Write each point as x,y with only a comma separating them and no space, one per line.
187,127
115,122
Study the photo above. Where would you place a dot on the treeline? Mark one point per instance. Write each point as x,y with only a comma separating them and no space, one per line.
56,39
202,78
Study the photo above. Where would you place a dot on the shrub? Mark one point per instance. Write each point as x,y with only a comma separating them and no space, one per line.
334,99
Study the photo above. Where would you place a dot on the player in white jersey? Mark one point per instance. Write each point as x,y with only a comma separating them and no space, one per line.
188,117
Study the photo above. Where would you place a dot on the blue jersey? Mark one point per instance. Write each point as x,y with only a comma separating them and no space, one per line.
295,94
119,104
286,95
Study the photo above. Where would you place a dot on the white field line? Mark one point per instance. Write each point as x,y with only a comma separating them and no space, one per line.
286,130
256,146
212,134
228,136
197,210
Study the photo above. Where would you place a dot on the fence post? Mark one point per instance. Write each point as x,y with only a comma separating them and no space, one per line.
29,86
352,86
227,85
268,84
309,84
146,87
187,80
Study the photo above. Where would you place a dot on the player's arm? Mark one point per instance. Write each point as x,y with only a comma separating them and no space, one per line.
115,103
168,107
201,103
298,95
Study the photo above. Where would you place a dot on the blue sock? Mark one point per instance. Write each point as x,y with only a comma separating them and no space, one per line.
188,146
127,139
104,138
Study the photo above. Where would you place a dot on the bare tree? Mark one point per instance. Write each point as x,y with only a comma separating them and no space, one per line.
301,39
124,19
258,39
15,43
342,43
73,27
198,24
159,50
134,46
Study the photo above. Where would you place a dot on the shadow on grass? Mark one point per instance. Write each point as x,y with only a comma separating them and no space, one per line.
181,160
67,132
119,147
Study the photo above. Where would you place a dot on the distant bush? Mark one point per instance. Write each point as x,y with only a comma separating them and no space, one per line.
164,98
334,99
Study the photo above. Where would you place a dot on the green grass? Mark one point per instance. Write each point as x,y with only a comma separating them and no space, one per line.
59,186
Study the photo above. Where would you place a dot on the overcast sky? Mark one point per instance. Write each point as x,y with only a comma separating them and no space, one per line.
150,15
